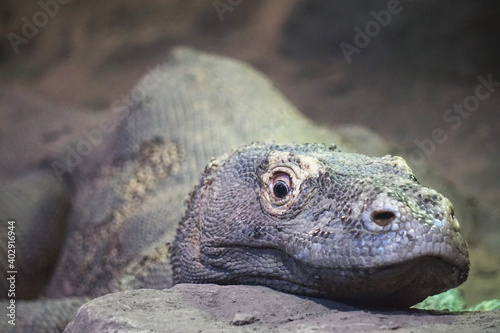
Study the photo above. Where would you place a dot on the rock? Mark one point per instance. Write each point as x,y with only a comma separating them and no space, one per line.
243,319
213,308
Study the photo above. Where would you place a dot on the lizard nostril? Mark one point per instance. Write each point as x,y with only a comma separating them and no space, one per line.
383,217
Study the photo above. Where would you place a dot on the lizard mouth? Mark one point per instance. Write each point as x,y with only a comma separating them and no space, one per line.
394,286
398,285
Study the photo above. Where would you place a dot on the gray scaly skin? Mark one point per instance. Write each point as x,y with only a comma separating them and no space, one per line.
307,219
352,227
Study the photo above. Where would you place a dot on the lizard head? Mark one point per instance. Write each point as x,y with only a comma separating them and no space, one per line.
310,220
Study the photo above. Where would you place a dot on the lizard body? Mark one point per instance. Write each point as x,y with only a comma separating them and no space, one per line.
346,226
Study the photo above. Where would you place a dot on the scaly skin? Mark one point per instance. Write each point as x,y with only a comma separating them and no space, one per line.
126,201
310,220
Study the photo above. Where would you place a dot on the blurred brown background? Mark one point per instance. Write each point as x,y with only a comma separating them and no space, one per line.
401,80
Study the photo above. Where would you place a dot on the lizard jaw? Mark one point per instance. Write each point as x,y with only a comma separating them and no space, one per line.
394,286
399,285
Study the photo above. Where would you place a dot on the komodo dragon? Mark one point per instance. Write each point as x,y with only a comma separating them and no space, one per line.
300,218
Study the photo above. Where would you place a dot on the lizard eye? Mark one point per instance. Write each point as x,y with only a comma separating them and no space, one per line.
281,185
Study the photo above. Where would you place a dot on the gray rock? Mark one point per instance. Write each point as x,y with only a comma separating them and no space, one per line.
244,319
213,308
